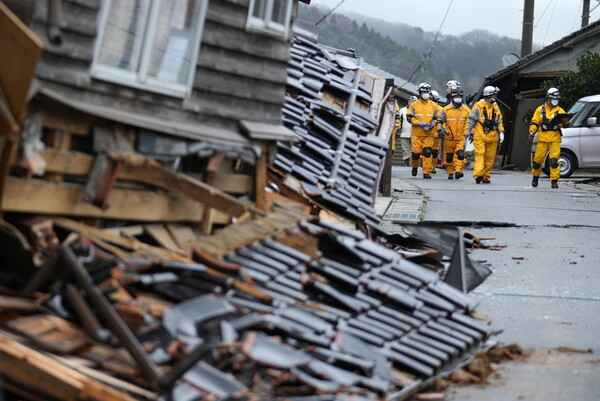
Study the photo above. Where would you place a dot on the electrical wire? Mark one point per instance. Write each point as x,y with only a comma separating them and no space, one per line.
549,23
577,16
427,54
329,13
544,12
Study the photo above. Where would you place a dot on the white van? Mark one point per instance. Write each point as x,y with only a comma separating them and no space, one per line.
580,147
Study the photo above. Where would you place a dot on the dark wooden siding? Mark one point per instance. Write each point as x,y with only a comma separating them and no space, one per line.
240,75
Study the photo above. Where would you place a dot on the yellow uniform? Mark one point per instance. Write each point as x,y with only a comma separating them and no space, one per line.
423,116
485,122
454,122
549,139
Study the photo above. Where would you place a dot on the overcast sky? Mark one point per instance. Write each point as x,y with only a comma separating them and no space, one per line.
553,19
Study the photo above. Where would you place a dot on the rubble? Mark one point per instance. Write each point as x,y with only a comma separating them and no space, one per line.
121,284
283,323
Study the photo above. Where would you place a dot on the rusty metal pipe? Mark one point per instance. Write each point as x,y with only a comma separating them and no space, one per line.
53,30
111,317
88,319
44,275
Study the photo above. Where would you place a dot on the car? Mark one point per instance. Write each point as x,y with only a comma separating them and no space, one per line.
580,147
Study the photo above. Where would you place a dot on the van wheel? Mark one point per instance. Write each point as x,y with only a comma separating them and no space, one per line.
567,163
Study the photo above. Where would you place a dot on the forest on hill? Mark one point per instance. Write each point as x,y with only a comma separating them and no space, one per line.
400,49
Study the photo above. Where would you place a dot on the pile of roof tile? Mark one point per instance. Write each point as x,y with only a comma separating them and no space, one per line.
345,183
315,312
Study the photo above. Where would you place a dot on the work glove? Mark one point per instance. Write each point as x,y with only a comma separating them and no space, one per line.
441,134
501,137
422,124
470,137
530,139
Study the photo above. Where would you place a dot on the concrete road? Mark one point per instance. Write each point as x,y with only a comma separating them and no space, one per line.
544,292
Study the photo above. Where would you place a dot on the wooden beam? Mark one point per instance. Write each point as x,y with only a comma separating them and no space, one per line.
163,237
64,162
233,183
33,369
260,177
185,185
20,53
78,163
42,197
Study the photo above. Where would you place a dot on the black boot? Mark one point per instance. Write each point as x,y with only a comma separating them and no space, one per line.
479,179
450,176
458,175
407,162
534,181
554,184
426,176
414,171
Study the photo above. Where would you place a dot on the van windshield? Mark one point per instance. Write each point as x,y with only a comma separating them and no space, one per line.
583,110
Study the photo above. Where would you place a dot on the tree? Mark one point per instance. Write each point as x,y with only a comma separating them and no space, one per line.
575,85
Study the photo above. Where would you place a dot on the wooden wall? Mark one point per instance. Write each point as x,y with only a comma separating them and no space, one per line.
240,75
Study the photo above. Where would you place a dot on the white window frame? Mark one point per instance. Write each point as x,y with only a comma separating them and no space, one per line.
140,79
266,24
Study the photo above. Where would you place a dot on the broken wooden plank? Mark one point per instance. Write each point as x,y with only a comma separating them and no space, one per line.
183,235
142,171
67,200
20,52
162,236
233,183
50,332
23,364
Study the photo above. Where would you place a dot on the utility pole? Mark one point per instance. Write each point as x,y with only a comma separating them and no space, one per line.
585,16
527,35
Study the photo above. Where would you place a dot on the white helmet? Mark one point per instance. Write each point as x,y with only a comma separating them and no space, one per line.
453,84
435,95
424,87
553,93
489,91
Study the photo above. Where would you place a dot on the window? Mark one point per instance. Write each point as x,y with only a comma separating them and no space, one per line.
150,44
270,16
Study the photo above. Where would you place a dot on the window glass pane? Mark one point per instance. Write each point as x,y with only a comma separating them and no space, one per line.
123,33
258,10
280,8
582,113
173,40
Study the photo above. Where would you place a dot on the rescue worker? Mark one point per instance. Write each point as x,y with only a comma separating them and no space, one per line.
547,123
435,151
486,130
423,116
405,128
451,86
453,131
396,129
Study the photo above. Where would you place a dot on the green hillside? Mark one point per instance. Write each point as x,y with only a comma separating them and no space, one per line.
400,48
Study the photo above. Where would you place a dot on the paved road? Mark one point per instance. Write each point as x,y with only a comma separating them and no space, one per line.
544,292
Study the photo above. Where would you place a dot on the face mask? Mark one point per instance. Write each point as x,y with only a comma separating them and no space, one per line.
492,100
457,100
554,102
425,96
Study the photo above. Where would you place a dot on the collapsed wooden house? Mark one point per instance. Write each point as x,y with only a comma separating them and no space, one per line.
194,84
114,282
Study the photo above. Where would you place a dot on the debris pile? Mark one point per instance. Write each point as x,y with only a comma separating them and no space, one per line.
314,312
334,155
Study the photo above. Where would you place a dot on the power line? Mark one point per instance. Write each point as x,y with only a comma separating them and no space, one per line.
549,23
544,12
329,13
427,54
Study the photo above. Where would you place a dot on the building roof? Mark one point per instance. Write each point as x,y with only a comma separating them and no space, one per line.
566,42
